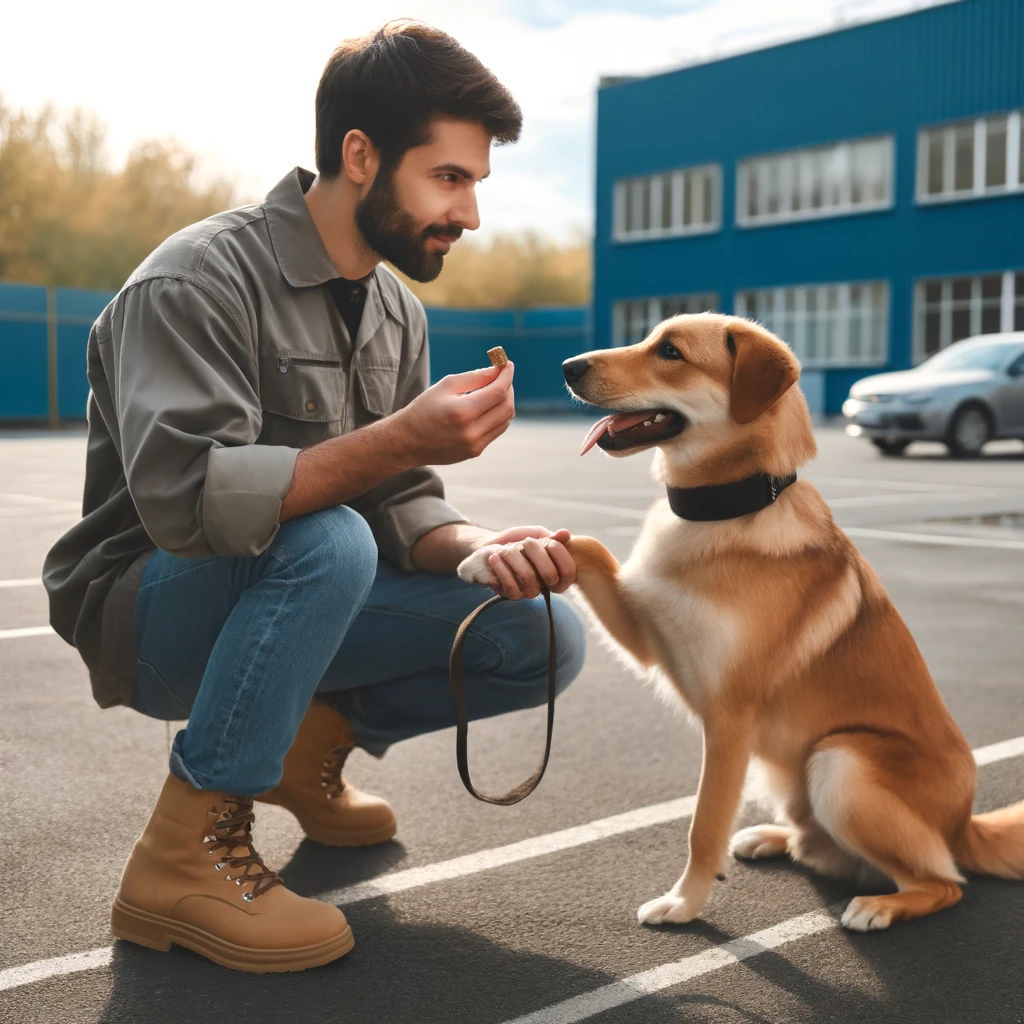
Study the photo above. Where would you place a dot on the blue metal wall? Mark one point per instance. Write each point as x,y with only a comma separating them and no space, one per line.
960,60
537,340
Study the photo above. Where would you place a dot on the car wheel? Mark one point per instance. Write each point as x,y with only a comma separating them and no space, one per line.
969,430
890,445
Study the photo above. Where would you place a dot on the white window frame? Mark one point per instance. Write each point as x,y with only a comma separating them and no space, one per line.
707,301
681,178
1007,305
978,189
807,162
838,326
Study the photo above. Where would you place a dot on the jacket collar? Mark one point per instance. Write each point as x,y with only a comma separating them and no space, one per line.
298,248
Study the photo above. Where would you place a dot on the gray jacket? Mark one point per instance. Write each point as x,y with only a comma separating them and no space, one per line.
218,361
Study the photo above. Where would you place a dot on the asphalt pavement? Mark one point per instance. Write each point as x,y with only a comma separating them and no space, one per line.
491,915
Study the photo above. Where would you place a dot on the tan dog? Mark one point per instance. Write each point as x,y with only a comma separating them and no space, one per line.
778,636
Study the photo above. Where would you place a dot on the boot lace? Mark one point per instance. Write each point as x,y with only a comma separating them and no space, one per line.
233,831
330,777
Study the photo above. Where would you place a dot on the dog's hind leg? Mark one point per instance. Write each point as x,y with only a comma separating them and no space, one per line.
759,841
850,801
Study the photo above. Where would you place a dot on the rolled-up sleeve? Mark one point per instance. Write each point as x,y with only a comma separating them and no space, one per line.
187,396
408,506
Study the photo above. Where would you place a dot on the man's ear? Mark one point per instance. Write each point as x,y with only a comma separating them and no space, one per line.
359,156
763,371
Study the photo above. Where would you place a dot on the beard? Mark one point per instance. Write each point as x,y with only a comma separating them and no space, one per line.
392,232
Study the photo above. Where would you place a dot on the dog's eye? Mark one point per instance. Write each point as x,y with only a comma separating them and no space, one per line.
666,350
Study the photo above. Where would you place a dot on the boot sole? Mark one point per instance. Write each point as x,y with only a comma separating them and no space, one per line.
160,933
338,837
334,837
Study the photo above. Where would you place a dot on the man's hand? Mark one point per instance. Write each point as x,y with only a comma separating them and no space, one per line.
458,417
520,562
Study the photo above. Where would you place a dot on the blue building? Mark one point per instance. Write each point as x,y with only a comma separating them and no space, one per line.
861,193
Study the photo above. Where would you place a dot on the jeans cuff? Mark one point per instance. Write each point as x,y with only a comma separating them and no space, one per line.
177,762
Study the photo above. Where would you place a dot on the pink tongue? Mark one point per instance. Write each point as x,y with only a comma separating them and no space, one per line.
614,424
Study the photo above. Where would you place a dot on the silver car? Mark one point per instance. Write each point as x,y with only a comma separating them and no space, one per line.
966,395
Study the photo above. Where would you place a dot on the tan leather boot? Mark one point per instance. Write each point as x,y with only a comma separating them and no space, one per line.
194,879
329,810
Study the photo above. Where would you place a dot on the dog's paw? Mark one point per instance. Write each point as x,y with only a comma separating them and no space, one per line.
668,909
475,568
759,841
866,914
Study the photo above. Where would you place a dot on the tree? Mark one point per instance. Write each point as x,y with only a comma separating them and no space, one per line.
511,271
67,218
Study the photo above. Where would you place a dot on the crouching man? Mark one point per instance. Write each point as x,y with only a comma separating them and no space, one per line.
263,550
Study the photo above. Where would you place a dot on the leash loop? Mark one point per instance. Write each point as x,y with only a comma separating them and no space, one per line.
458,684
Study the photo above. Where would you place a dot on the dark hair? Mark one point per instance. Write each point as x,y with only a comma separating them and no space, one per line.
394,83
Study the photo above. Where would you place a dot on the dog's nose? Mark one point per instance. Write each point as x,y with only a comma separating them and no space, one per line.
573,369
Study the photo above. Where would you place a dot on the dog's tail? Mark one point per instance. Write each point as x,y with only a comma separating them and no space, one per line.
993,843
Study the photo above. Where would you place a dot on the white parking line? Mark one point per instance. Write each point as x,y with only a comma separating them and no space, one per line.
935,538
34,582
636,986
41,970
483,860
537,846
17,634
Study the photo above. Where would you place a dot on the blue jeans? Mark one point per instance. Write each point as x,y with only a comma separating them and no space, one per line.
240,645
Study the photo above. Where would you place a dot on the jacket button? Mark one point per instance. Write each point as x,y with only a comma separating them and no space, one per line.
311,406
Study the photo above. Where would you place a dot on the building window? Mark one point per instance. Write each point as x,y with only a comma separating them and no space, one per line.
950,309
847,177
683,202
980,157
825,325
636,318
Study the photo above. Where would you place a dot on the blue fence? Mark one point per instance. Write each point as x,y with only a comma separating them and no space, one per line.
43,334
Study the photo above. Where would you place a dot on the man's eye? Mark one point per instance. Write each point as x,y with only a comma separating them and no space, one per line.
666,350
450,178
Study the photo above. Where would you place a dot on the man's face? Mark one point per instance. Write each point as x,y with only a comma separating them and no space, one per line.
412,216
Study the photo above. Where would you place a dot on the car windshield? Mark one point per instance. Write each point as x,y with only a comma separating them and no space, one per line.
967,357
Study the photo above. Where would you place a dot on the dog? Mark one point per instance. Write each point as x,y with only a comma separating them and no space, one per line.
744,597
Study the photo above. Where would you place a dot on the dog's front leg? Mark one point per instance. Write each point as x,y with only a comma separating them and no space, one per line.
597,576
727,745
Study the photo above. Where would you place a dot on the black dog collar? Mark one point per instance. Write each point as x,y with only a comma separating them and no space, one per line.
727,501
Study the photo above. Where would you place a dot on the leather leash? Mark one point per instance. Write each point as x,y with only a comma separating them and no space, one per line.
458,683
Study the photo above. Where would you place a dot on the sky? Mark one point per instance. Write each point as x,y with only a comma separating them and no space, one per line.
235,82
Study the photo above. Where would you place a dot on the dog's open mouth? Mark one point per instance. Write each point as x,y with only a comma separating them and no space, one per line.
624,430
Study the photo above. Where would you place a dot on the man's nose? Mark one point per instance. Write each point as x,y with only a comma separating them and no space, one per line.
467,214
573,369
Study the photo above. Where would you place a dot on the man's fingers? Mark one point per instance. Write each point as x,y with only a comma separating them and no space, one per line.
563,563
500,415
517,561
540,557
507,578
470,380
492,387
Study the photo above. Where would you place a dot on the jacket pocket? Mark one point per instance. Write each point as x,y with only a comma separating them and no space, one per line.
378,380
309,388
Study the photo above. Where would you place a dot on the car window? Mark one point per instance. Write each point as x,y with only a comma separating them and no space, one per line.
1017,366
974,357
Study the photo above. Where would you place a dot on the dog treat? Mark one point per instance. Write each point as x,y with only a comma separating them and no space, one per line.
497,356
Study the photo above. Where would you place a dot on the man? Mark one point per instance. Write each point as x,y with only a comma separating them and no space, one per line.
260,415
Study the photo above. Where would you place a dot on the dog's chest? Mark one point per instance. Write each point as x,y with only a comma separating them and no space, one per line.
698,637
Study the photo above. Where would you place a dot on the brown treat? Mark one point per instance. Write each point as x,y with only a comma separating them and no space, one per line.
497,356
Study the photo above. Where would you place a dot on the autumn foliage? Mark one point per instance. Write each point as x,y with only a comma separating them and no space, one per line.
67,217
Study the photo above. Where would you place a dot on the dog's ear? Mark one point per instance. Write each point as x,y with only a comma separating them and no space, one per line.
763,370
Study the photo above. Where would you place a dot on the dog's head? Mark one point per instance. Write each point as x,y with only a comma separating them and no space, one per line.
700,386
